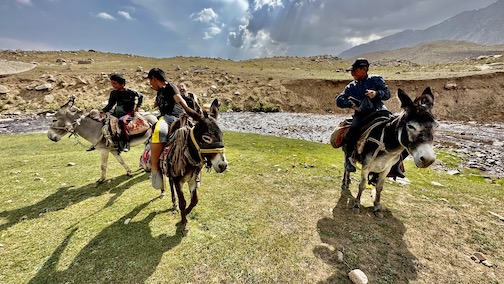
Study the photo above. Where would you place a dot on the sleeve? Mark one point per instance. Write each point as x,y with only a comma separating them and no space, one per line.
111,102
342,100
382,91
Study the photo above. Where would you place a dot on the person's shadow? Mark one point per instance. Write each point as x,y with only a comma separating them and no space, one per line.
121,253
66,196
373,245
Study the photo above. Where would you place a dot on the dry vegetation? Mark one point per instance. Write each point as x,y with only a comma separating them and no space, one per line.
287,84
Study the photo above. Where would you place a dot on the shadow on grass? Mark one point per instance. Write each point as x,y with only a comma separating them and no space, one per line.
119,254
373,245
66,196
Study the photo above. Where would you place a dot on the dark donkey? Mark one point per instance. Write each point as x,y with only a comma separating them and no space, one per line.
387,136
189,149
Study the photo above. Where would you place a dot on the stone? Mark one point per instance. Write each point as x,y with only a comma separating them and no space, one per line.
478,257
44,87
49,98
450,86
358,277
3,89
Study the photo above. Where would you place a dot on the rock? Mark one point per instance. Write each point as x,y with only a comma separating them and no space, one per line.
44,87
49,98
435,183
3,89
339,256
478,257
358,277
450,86
87,61
126,222
453,172
71,164
487,263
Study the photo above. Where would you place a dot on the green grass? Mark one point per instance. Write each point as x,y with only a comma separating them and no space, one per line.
276,216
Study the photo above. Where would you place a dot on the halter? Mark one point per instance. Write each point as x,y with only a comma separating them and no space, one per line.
381,145
219,146
71,130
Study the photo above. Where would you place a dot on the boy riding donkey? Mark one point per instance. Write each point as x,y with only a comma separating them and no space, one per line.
364,88
124,101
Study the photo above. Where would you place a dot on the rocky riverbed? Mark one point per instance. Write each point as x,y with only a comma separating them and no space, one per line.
480,145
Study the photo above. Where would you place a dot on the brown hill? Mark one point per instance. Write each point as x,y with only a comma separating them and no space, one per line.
468,90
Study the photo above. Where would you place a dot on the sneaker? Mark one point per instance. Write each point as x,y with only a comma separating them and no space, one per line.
126,147
156,180
349,167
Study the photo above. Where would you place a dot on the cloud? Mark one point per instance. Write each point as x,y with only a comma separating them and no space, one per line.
25,2
105,16
259,4
125,15
211,32
206,15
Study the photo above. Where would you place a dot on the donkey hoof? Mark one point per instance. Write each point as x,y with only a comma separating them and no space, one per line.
100,181
129,174
378,214
356,210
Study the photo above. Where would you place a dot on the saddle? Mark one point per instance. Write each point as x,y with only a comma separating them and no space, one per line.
111,130
338,137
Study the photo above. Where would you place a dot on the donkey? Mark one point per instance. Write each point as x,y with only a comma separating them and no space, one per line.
386,137
70,119
189,149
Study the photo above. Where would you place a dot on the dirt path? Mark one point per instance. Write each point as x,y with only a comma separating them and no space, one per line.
481,145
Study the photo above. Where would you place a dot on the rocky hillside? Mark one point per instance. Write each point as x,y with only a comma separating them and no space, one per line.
484,26
268,84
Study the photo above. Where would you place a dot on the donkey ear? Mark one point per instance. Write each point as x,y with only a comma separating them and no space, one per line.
406,102
70,102
426,99
214,109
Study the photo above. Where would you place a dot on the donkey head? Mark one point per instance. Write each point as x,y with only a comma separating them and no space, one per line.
64,120
418,127
209,137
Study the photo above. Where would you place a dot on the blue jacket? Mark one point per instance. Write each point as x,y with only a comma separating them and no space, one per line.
357,90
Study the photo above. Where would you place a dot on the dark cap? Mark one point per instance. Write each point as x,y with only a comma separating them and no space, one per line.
358,63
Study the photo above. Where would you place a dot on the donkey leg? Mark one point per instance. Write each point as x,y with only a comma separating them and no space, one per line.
120,159
193,188
172,190
103,166
182,202
377,210
345,182
362,186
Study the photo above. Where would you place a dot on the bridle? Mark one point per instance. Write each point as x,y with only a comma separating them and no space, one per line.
206,148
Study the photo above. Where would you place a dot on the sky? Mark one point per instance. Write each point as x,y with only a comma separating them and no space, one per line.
228,29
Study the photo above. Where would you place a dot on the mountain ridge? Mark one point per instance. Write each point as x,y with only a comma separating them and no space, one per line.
482,26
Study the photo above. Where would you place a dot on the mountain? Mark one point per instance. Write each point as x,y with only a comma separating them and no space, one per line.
439,52
483,26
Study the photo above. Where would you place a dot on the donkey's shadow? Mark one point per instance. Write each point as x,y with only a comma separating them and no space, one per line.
375,246
119,254
66,196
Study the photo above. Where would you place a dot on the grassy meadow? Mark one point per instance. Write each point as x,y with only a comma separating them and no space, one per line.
277,215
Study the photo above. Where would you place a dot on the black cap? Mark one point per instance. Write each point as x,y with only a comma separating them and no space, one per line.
358,63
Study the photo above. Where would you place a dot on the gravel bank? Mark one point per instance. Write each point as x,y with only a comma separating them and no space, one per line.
481,145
